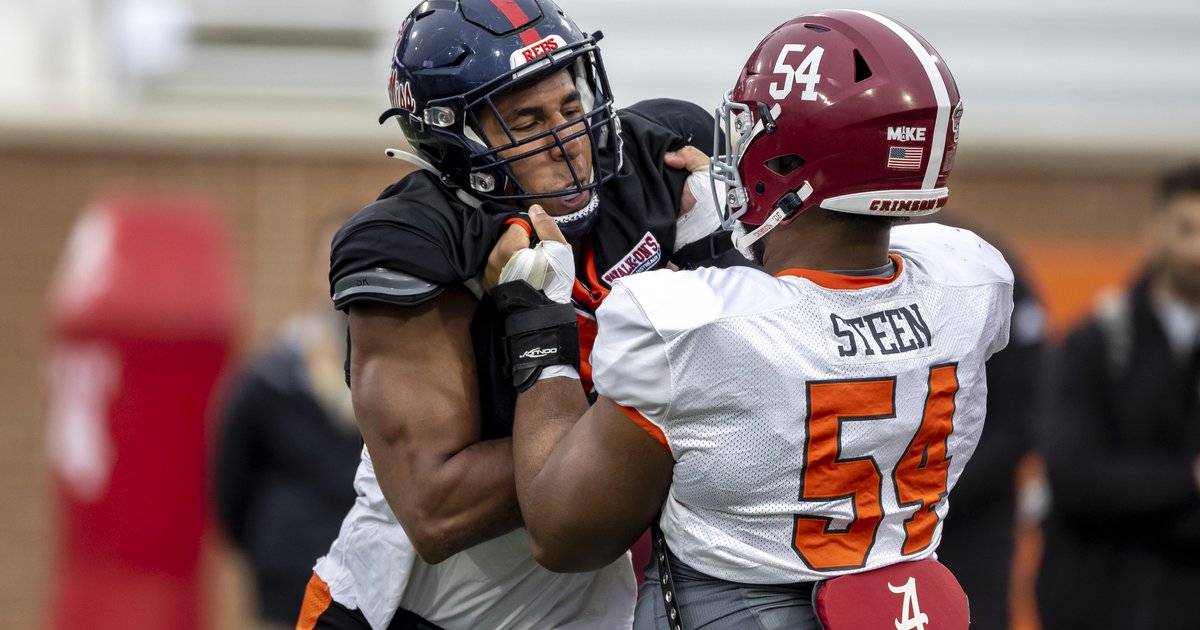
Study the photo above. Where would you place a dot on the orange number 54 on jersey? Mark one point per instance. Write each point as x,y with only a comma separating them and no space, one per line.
920,476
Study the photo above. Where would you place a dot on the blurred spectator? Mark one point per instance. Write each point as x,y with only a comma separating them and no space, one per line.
288,450
1121,439
979,537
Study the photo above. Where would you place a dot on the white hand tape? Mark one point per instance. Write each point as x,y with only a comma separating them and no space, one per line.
704,218
549,267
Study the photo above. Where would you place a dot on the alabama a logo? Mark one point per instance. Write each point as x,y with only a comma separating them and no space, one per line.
911,617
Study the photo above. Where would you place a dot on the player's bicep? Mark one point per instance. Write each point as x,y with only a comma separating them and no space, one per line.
414,385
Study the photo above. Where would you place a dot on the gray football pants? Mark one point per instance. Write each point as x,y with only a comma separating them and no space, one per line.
707,603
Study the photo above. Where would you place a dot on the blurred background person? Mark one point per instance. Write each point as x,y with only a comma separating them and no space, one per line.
1121,440
979,539
288,448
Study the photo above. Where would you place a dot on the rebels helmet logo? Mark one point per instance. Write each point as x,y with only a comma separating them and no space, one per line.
536,50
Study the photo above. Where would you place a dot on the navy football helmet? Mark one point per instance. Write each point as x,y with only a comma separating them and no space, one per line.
453,57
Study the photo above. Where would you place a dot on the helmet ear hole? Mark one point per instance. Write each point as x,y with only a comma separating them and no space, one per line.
759,188
462,56
784,165
434,152
862,71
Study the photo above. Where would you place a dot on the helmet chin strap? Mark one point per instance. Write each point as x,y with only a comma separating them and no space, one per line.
578,223
422,163
784,210
412,158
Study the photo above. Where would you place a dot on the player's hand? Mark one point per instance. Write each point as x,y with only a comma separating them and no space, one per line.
699,214
544,225
693,160
512,241
549,266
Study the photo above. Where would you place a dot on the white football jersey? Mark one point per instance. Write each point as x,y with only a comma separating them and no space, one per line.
817,420
373,567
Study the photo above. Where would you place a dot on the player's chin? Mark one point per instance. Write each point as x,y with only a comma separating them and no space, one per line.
563,205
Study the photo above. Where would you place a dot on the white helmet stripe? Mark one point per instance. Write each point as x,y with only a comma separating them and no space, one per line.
938,150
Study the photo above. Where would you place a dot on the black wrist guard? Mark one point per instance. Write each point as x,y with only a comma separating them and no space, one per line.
538,332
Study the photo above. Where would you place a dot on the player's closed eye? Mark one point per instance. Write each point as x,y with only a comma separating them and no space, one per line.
524,129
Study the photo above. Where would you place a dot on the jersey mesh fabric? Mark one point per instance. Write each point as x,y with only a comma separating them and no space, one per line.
742,348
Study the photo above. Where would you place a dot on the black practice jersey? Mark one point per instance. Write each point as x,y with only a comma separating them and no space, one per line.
418,238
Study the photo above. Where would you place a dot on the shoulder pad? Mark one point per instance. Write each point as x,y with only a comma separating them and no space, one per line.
692,123
951,255
383,285
410,244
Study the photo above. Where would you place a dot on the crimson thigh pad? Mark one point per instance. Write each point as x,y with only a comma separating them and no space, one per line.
920,595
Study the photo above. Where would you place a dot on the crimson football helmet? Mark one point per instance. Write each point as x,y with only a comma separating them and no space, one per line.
453,57
847,110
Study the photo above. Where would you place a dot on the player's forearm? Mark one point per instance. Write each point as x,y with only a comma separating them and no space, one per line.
544,415
451,504
564,535
476,499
